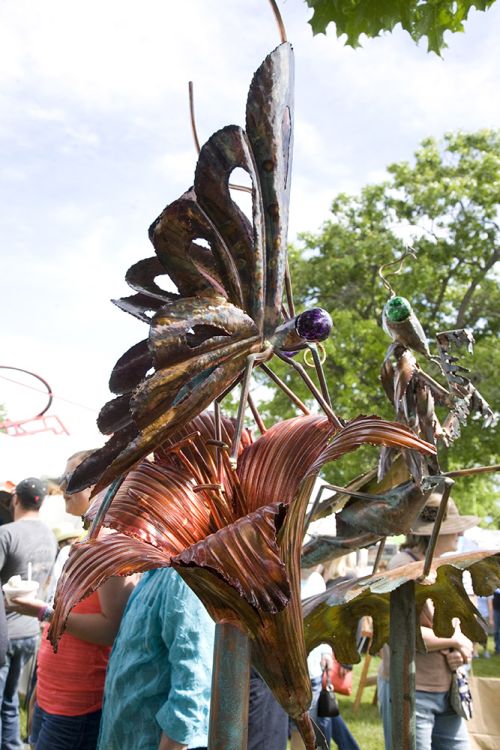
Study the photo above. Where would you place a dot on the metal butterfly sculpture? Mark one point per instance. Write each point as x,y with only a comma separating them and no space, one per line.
226,316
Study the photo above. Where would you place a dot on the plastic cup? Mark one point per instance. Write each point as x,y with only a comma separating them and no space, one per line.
12,592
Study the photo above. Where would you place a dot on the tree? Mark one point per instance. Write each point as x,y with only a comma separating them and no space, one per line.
447,203
420,18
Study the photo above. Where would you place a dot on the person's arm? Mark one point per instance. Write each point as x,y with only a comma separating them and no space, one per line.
491,618
188,633
101,627
168,744
458,642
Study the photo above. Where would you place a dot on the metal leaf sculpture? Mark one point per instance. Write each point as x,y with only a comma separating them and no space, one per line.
333,616
234,536
226,316
366,519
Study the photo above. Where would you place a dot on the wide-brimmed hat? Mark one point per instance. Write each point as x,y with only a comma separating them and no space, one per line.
453,522
66,531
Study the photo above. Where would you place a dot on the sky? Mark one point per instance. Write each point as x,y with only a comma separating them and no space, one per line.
95,141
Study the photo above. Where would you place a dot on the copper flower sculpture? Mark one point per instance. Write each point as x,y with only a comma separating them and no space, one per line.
227,315
235,536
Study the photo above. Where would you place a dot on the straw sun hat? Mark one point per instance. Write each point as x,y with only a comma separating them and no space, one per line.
453,522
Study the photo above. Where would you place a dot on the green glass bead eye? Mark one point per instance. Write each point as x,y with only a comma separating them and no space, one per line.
398,309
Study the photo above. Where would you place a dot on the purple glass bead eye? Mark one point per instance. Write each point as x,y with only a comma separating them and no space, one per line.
314,324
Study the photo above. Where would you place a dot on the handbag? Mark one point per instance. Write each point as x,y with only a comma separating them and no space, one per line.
342,683
460,695
327,701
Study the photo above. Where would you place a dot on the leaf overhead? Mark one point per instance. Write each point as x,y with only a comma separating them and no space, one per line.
428,19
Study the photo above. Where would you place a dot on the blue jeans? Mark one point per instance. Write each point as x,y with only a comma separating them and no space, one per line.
56,732
437,725
18,652
267,721
496,629
333,727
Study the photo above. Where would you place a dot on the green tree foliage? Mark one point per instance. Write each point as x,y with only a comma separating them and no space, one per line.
446,204
420,18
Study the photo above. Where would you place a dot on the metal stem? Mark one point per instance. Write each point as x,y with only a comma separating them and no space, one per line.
291,395
104,507
255,412
288,290
321,374
473,470
402,674
228,728
316,393
245,388
380,552
315,504
448,484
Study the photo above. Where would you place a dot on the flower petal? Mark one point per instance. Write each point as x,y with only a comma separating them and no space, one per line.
272,468
158,505
374,431
246,555
91,563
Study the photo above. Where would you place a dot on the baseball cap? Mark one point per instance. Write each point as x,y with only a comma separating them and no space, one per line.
32,490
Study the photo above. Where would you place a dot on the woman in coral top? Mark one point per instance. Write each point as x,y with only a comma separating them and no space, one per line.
70,683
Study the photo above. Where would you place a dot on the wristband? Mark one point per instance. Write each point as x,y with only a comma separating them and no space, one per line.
45,613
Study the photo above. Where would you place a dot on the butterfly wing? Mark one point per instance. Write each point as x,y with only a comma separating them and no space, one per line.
227,273
269,127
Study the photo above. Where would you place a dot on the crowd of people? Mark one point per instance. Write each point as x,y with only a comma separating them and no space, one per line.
133,669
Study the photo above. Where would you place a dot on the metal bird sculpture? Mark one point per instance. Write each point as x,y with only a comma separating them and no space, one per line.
226,316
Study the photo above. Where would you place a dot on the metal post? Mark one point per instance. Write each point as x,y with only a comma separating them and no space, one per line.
230,688
402,645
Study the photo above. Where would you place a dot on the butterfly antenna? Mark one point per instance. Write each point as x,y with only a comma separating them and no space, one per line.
289,290
193,119
196,140
398,270
279,20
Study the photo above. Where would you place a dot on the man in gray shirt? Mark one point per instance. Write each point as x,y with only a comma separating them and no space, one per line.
26,543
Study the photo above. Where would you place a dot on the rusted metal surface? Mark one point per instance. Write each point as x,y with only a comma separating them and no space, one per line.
402,674
230,690
333,616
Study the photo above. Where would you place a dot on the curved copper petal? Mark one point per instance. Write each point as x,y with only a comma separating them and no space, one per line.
374,431
91,563
272,468
332,617
115,415
246,555
158,505
94,466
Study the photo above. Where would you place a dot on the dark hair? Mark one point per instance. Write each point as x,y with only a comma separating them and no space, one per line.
416,541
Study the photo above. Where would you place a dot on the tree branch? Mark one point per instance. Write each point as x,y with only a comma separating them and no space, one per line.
472,288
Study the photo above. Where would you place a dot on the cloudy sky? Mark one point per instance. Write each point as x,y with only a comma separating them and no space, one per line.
95,141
